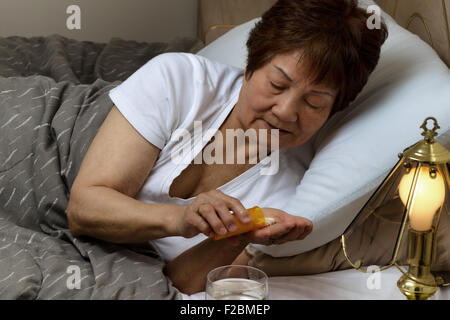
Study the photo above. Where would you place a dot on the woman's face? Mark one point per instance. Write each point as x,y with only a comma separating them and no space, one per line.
279,96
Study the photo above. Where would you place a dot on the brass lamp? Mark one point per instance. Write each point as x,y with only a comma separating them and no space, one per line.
413,197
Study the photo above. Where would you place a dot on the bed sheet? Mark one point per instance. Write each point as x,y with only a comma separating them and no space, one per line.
339,285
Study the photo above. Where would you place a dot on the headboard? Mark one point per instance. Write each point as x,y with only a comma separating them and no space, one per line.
428,19
216,17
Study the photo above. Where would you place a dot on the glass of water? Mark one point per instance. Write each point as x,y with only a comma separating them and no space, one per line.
236,282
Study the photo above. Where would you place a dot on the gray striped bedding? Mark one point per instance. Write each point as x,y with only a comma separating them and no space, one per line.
53,99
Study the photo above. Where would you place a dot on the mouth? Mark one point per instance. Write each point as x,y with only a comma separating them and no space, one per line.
272,127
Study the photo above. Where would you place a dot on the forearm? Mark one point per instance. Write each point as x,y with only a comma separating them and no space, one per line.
107,214
188,271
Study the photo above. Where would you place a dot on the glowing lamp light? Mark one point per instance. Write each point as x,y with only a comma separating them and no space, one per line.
428,197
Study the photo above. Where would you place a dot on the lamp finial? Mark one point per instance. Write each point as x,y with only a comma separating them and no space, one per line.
430,134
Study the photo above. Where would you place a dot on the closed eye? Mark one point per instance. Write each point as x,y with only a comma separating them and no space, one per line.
312,106
279,88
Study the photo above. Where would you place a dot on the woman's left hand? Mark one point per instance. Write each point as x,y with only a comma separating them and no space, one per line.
286,228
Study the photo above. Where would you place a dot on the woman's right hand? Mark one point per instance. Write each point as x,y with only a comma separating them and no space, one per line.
210,213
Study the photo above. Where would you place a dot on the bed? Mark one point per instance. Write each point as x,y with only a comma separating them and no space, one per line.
353,153
53,99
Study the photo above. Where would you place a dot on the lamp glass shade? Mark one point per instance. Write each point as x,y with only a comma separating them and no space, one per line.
407,198
429,195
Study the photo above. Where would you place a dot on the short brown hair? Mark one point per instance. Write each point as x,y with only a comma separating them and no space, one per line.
333,38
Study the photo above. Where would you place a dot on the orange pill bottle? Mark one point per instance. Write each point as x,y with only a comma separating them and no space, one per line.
257,221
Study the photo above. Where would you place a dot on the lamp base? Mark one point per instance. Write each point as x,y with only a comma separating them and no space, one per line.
419,283
414,290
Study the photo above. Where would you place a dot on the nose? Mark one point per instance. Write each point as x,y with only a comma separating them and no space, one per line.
286,109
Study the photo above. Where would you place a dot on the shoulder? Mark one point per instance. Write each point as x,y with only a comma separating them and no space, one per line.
180,59
181,66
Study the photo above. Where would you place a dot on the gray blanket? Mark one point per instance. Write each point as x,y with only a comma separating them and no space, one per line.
53,99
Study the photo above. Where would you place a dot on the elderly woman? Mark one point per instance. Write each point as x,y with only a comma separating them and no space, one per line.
306,60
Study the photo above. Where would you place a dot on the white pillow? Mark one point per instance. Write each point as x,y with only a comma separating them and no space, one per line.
230,48
358,147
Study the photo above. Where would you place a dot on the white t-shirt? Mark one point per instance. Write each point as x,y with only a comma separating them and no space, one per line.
170,92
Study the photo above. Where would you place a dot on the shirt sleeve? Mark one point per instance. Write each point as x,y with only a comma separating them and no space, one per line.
147,99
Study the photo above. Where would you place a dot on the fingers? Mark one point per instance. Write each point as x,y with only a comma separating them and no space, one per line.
278,230
222,204
226,217
298,231
232,204
295,234
208,213
282,232
308,228
239,210
197,224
